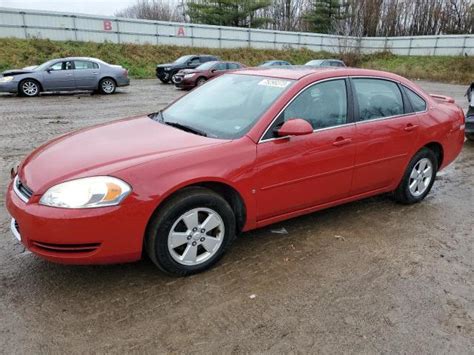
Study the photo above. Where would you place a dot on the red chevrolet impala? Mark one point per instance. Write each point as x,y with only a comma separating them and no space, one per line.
242,151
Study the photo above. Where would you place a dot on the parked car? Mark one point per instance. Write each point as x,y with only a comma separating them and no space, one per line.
470,113
65,74
189,78
245,150
165,72
274,63
326,63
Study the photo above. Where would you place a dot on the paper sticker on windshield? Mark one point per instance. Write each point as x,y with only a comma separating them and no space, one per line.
274,83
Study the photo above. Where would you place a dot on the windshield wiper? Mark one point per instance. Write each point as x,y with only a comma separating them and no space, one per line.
185,128
156,116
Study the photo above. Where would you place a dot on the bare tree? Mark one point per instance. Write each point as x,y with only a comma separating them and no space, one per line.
154,10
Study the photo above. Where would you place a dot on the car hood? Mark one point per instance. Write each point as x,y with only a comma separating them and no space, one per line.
13,72
165,65
104,150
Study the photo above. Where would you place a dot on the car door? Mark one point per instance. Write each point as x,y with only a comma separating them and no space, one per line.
86,74
194,62
218,69
59,77
385,135
303,171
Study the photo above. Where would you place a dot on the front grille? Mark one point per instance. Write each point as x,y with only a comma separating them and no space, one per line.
66,248
23,191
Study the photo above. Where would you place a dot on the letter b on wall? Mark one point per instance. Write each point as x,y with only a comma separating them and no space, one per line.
107,25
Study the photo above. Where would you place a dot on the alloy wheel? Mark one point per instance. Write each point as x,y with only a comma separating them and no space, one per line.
420,177
196,236
30,88
108,86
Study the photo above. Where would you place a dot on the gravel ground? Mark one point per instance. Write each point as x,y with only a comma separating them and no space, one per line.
367,277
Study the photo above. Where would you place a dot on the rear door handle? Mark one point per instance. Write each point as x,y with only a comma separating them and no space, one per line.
340,141
410,127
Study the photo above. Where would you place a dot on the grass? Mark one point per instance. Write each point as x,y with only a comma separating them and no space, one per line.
142,59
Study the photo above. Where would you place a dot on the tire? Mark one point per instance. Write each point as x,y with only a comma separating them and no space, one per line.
470,136
195,249
164,81
107,86
415,185
200,81
173,78
29,88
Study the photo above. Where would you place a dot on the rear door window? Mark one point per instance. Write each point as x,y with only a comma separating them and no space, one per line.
85,64
377,98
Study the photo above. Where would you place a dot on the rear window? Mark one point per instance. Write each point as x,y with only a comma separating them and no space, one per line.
417,102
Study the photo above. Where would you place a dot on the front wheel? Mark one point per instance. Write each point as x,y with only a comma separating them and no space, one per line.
418,178
200,81
470,136
29,88
191,232
107,86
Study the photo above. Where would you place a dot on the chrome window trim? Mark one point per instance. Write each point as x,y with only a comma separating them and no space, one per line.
261,140
18,192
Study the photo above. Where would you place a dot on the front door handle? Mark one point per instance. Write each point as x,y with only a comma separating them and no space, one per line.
410,127
340,141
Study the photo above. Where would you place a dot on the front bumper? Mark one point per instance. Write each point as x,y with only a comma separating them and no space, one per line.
163,75
11,86
78,236
186,83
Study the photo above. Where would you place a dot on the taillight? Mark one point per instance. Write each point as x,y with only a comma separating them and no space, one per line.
125,72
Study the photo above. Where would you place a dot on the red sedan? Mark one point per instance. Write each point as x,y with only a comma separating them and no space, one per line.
190,78
245,150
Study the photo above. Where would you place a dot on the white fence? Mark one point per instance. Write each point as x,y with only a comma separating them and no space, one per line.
66,26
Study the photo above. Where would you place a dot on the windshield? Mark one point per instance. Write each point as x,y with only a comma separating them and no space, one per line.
226,107
206,65
45,65
315,62
182,59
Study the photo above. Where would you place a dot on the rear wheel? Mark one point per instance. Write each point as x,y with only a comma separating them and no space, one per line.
418,178
107,86
29,88
191,232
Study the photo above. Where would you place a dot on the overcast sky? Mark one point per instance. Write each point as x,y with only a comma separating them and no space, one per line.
94,7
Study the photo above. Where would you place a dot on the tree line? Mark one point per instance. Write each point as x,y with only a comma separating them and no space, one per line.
345,17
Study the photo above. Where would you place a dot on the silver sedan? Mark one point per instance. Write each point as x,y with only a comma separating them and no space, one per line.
66,74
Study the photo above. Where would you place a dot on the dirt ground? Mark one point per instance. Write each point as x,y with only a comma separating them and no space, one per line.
367,277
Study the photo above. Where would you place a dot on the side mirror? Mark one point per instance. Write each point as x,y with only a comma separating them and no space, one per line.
295,127
213,70
49,70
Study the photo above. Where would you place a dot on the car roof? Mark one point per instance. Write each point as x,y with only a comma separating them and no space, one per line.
302,71
78,58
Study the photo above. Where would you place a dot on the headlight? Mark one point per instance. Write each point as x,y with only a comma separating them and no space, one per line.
167,69
6,79
97,191
188,76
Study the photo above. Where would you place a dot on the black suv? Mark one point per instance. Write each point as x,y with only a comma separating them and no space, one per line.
165,72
